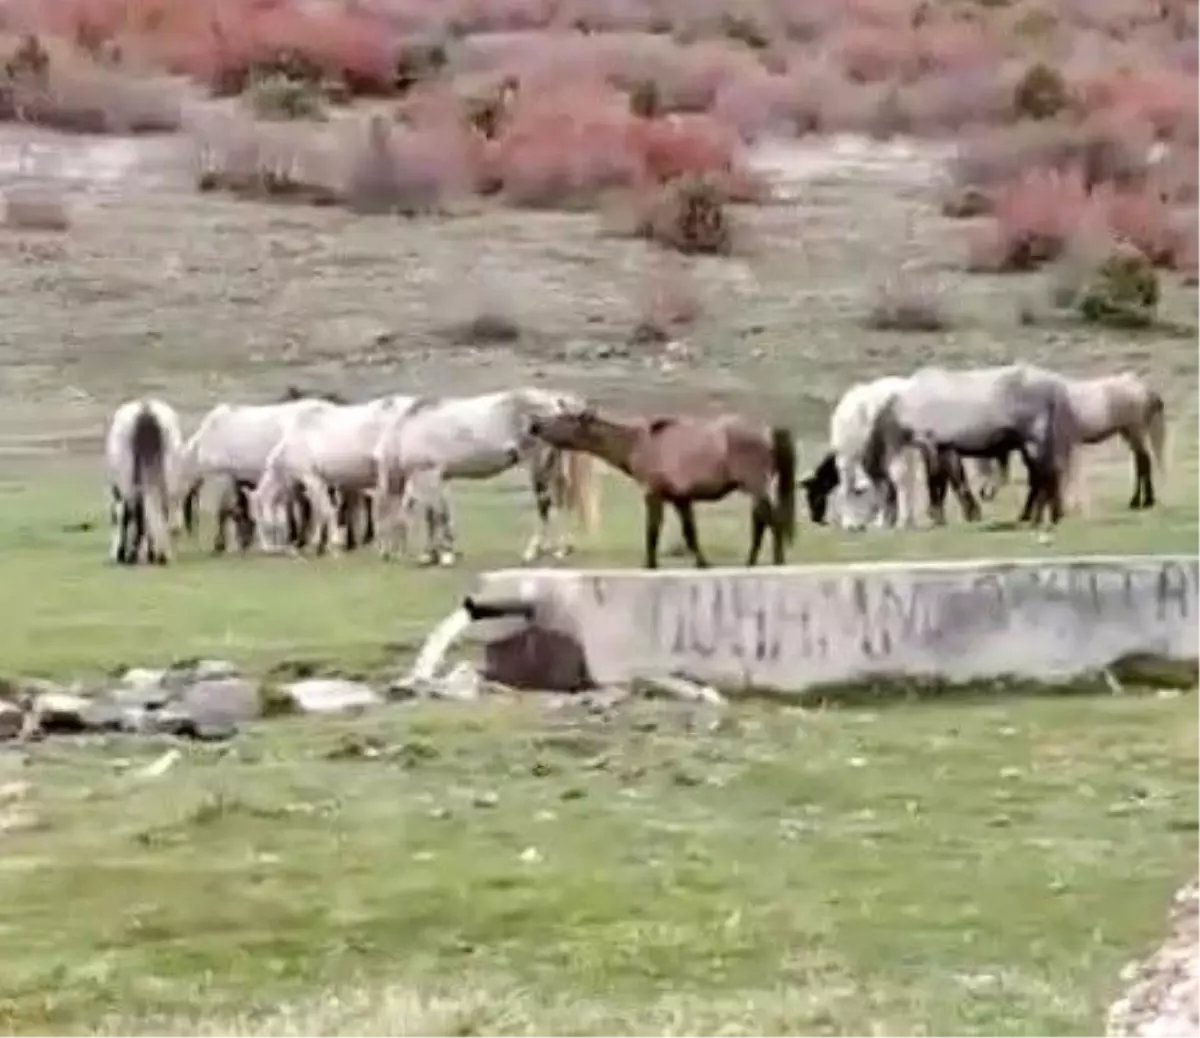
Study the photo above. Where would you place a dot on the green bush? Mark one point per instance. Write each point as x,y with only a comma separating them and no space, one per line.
1041,93
275,96
1122,292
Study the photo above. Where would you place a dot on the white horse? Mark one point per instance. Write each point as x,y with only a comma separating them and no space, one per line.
322,449
233,441
1121,404
840,474
479,437
142,455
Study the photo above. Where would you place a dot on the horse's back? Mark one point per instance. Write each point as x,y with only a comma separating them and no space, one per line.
855,413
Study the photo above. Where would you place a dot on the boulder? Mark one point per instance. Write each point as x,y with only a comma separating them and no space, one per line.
12,720
219,700
1162,994
330,695
61,712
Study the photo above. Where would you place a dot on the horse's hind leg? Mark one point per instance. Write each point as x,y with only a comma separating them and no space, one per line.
957,475
687,524
654,521
762,514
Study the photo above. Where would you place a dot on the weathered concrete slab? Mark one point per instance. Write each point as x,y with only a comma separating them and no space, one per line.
789,628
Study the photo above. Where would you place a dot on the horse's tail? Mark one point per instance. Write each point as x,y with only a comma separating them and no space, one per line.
582,488
148,444
783,458
1156,431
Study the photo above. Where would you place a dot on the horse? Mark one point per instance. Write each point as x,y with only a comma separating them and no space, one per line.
141,452
322,451
233,441
234,504
841,466
479,437
681,460
1121,404
984,412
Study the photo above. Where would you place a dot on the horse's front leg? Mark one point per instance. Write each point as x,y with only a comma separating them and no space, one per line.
654,521
687,524
324,514
543,501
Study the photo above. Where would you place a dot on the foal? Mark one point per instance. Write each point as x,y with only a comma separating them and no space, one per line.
681,460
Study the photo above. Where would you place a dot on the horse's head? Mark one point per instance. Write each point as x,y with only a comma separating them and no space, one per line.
567,430
818,486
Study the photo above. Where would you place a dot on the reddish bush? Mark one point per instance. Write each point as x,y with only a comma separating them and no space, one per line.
1143,219
1033,220
1164,98
567,147
871,54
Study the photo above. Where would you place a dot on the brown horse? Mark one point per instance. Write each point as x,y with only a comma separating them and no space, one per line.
681,460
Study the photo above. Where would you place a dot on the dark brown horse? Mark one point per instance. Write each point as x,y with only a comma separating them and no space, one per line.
680,460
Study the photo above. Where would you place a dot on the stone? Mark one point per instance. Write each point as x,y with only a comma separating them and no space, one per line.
1162,996
461,683
12,720
219,700
205,727
187,672
56,712
330,695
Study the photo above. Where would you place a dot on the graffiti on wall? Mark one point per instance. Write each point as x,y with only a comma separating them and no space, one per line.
764,618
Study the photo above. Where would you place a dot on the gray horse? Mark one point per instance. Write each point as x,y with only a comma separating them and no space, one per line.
979,413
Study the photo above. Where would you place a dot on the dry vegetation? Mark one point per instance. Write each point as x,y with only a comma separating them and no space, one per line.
1073,119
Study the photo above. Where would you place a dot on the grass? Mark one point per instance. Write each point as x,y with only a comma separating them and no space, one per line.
942,869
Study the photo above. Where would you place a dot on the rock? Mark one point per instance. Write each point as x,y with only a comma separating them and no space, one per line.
188,672
142,677
1162,997
61,712
161,765
330,695
676,687
461,683
206,727
220,700
12,720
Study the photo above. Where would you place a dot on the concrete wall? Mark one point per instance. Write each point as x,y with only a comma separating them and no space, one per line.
788,628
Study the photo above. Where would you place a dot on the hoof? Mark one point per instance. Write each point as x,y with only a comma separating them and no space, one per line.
447,558
426,558
564,551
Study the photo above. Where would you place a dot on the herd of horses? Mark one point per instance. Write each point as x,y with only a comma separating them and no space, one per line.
317,471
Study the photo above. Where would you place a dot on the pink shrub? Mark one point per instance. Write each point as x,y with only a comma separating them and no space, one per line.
1143,219
758,104
873,54
564,150
1034,218
1165,98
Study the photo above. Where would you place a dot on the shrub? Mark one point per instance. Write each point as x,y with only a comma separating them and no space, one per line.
1033,219
690,215
1041,93
1123,291
407,170
487,327
278,97
66,90
906,304
417,61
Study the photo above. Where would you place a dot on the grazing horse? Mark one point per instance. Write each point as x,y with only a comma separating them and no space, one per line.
322,451
680,460
479,437
985,412
141,452
349,503
233,441
841,468
1122,405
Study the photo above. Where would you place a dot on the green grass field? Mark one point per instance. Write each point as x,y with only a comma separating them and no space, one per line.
516,866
